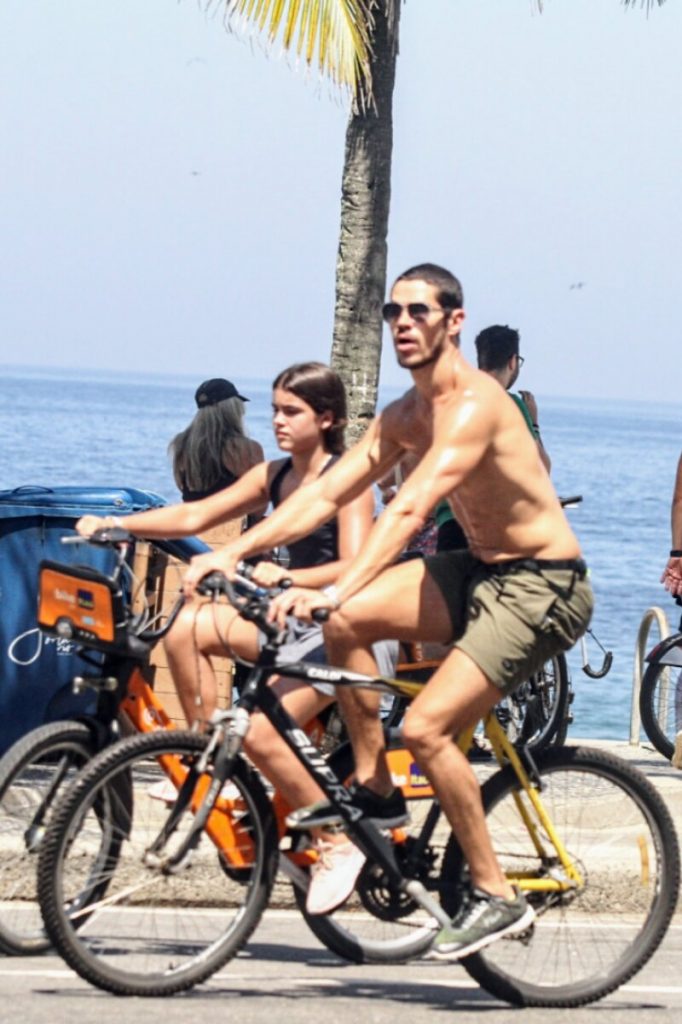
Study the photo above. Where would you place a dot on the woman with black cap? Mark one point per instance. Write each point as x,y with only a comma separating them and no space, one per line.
213,451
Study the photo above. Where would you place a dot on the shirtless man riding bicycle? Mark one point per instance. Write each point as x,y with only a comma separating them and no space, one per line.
515,598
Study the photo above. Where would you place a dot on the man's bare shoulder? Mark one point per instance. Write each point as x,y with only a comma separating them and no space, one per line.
475,399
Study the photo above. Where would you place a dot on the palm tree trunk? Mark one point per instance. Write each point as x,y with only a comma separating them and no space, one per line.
365,202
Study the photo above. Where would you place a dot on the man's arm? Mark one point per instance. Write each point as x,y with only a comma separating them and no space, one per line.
456,450
532,406
308,507
672,574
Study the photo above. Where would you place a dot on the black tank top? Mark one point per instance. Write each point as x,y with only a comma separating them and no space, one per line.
226,478
319,547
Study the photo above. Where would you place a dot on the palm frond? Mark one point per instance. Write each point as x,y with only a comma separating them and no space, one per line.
334,35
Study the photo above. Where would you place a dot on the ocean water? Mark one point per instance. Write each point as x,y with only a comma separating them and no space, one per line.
96,429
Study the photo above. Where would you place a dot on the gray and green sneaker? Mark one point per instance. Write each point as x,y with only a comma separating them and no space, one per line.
480,920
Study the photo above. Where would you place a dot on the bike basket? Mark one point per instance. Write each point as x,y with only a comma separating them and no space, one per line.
80,604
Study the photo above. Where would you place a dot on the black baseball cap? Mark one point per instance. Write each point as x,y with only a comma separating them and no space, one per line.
215,390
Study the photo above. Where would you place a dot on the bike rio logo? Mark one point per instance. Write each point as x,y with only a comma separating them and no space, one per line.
27,647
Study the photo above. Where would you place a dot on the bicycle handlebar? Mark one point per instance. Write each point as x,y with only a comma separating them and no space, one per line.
248,598
118,538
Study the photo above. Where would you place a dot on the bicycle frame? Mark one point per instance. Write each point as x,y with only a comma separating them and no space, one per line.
213,812
256,694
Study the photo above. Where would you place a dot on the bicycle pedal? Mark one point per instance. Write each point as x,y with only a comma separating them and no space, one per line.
164,863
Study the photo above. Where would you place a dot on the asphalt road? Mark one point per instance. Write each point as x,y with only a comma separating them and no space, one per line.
285,977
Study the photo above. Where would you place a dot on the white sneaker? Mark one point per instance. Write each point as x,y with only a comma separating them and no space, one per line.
229,792
676,759
333,875
163,790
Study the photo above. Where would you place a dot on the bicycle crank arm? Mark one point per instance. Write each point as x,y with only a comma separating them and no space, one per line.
420,895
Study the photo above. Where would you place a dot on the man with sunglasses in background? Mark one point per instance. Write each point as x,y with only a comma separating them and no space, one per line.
515,598
497,351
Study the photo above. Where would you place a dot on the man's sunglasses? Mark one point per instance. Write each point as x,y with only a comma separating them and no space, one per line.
416,310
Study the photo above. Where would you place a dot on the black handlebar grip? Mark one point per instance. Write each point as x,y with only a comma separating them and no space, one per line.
285,583
321,614
110,535
213,583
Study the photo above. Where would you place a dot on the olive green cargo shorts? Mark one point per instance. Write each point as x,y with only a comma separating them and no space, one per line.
511,617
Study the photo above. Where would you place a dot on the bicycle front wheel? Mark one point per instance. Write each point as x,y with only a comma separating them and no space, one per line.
660,706
137,923
594,935
33,772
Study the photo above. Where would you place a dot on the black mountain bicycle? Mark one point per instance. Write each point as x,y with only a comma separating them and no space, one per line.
122,879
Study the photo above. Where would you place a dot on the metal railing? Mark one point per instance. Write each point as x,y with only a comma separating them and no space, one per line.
651,616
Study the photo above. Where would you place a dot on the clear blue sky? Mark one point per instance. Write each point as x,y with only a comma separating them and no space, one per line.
170,196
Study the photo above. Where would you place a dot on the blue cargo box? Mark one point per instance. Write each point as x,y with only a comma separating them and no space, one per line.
35,670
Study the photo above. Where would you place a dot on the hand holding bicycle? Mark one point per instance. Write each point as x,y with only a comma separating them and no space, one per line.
672,576
87,525
224,561
302,602
268,574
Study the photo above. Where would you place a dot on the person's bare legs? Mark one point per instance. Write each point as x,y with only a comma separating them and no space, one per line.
456,697
202,629
270,753
406,604
402,603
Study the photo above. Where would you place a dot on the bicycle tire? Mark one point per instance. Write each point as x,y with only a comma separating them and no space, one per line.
588,941
33,772
657,708
377,924
537,713
156,931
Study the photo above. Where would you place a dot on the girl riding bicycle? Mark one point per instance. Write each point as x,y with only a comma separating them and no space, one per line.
309,416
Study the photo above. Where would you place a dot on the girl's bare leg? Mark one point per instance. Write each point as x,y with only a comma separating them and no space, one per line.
201,630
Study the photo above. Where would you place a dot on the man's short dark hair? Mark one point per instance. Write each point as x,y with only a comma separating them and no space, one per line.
495,346
450,294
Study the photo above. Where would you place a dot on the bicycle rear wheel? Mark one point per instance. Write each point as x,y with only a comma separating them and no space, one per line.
537,713
590,939
33,772
378,923
660,706
136,924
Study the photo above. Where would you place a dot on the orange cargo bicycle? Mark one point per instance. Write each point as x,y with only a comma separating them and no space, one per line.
94,611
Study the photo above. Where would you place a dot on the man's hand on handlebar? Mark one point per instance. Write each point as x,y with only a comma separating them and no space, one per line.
268,574
299,601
